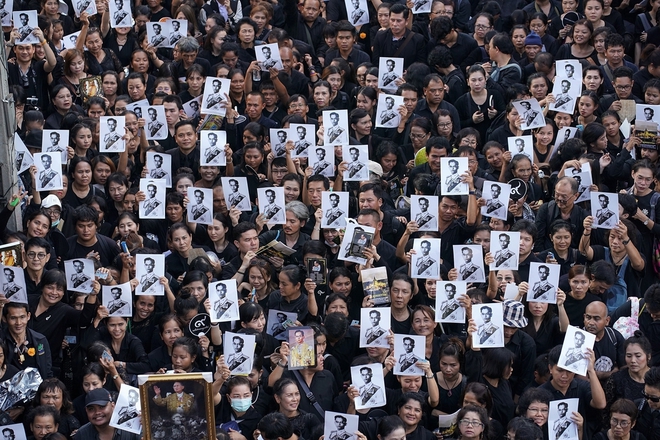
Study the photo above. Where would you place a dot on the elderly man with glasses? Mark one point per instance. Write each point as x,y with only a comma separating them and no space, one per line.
562,207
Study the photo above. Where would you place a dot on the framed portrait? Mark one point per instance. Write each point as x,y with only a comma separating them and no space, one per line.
303,348
177,406
316,270
11,254
91,86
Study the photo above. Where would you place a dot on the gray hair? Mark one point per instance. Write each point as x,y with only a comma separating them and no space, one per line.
187,44
298,209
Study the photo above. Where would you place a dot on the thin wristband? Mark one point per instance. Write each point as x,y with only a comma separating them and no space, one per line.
242,273
586,235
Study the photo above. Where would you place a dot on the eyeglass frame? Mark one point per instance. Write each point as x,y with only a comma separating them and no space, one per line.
473,423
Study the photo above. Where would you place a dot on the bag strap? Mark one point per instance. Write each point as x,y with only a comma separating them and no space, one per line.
654,203
634,307
399,51
309,394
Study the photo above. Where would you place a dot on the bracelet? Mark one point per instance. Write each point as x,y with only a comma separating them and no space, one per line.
586,235
43,42
241,273
429,377
625,242
115,377
280,364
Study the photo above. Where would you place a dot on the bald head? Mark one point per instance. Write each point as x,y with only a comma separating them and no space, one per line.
568,184
596,319
596,308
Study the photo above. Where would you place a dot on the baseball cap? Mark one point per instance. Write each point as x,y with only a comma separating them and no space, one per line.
99,396
51,201
375,168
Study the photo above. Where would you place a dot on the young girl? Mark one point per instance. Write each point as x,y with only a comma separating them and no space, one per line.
543,137
81,141
587,106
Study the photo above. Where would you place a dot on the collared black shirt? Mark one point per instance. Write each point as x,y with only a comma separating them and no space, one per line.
190,160
385,46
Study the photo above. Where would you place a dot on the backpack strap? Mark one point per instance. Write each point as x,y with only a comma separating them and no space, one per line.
654,203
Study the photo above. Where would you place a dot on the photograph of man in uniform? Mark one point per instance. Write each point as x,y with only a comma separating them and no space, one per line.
149,280
390,75
336,134
576,358
605,216
235,198
542,289
334,214
408,360
454,179
488,333
237,362
451,304
79,279
357,12
214,100
505,257
3,12
389,117
468,270
213,150
55,144
49,178
25,30
279,147
425,219
375,331
10,287
356,169
277,328
340,433
563,422
222,304
563,99
370,393
528,115
494,206
120,15
158,172
648,114
157,39
152,206
272,212
154,124
112,136
200,212
322,166
117,305
302,144
426,265
302,353
175,35
129,414
179,402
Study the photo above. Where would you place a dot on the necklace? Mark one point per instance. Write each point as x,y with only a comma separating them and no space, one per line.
449,393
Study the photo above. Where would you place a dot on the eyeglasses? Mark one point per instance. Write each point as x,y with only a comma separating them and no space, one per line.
654,399
621,423
38,256
444,124
481,26
626,87
563,199
52,211
474,423
418,135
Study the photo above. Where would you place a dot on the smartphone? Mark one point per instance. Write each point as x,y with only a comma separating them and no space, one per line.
124,247
71,339
551,255
107,356
101,275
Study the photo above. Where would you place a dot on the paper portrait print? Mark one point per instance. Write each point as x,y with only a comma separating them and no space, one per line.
531,112
369,381
340,426
421,6
200,205
23,157
566,93
469,260
13,284
6,9
126,415
120,13
177,29
560,425
303,347
304,137
118,300
80,6
216,91
153,207
271,204
156,128
424,212
569,69
278,322
212,148
322,161
49,171
408,350
238,350
447,307
490,325
605,210
521,145
14,432
334,205
56,140
138,106
112,130
69,41
574,356
149,268
357,157
647,113
192,108
497,197
224,301
237,194
566,133
335,127
387,114
26,22
505,247
157,34
357,11
316,270
425,262
278,139
268,57
79,275
511,291
159,166
389,70
356,238
375,327
543,282
584,181
451,169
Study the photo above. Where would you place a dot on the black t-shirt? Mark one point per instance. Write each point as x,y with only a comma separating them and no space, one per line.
609,351
575,308
106,248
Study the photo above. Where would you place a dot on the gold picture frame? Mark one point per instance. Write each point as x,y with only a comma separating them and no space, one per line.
177,406
91,86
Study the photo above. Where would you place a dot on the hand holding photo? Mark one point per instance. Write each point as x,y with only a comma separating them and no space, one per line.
490,325
112,130
268,56
238,350
369,381
56,141
451,170
126,415
200,205
521,145
156,128
304,137
390,70
505,247
388,115
278,322
322,161
153,207
408,350
560,419
149,268
469,260
424,212
356,239
358,12
302,348
212,146
117,299
574,355
223,296
26,22
272,204
497,196
13,284
447,306
605,210
120,13
316,270
79,275
49,171
340,426
424,263
216,91
543,279
531,113
374,327
278,140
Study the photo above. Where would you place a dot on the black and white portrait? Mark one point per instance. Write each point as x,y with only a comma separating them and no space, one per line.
521,145
237,194
408,350
23,157
647,113
584,180
497,196
200,205
126,415
192,108
560,425
335,126
566,93
156,35
177,30
13,432
605,210
216,91
238,350
340,426
574,355
543,282
49,171
387,114
80,6
424,212
212,145
13,284
120,13
356,238
421,6
159,166
117,299
268,56
469,260
111,134
357,158
224,300
451,170
79,275
138,107
70,41
149,268
56,140
531,112
505,247
370,383
447,306
322,161
304,138
334,205
490,325
272,205
156,128
375,327
278,322
154,205
6,9
357,11
278,139
425,261
389,70
26,22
